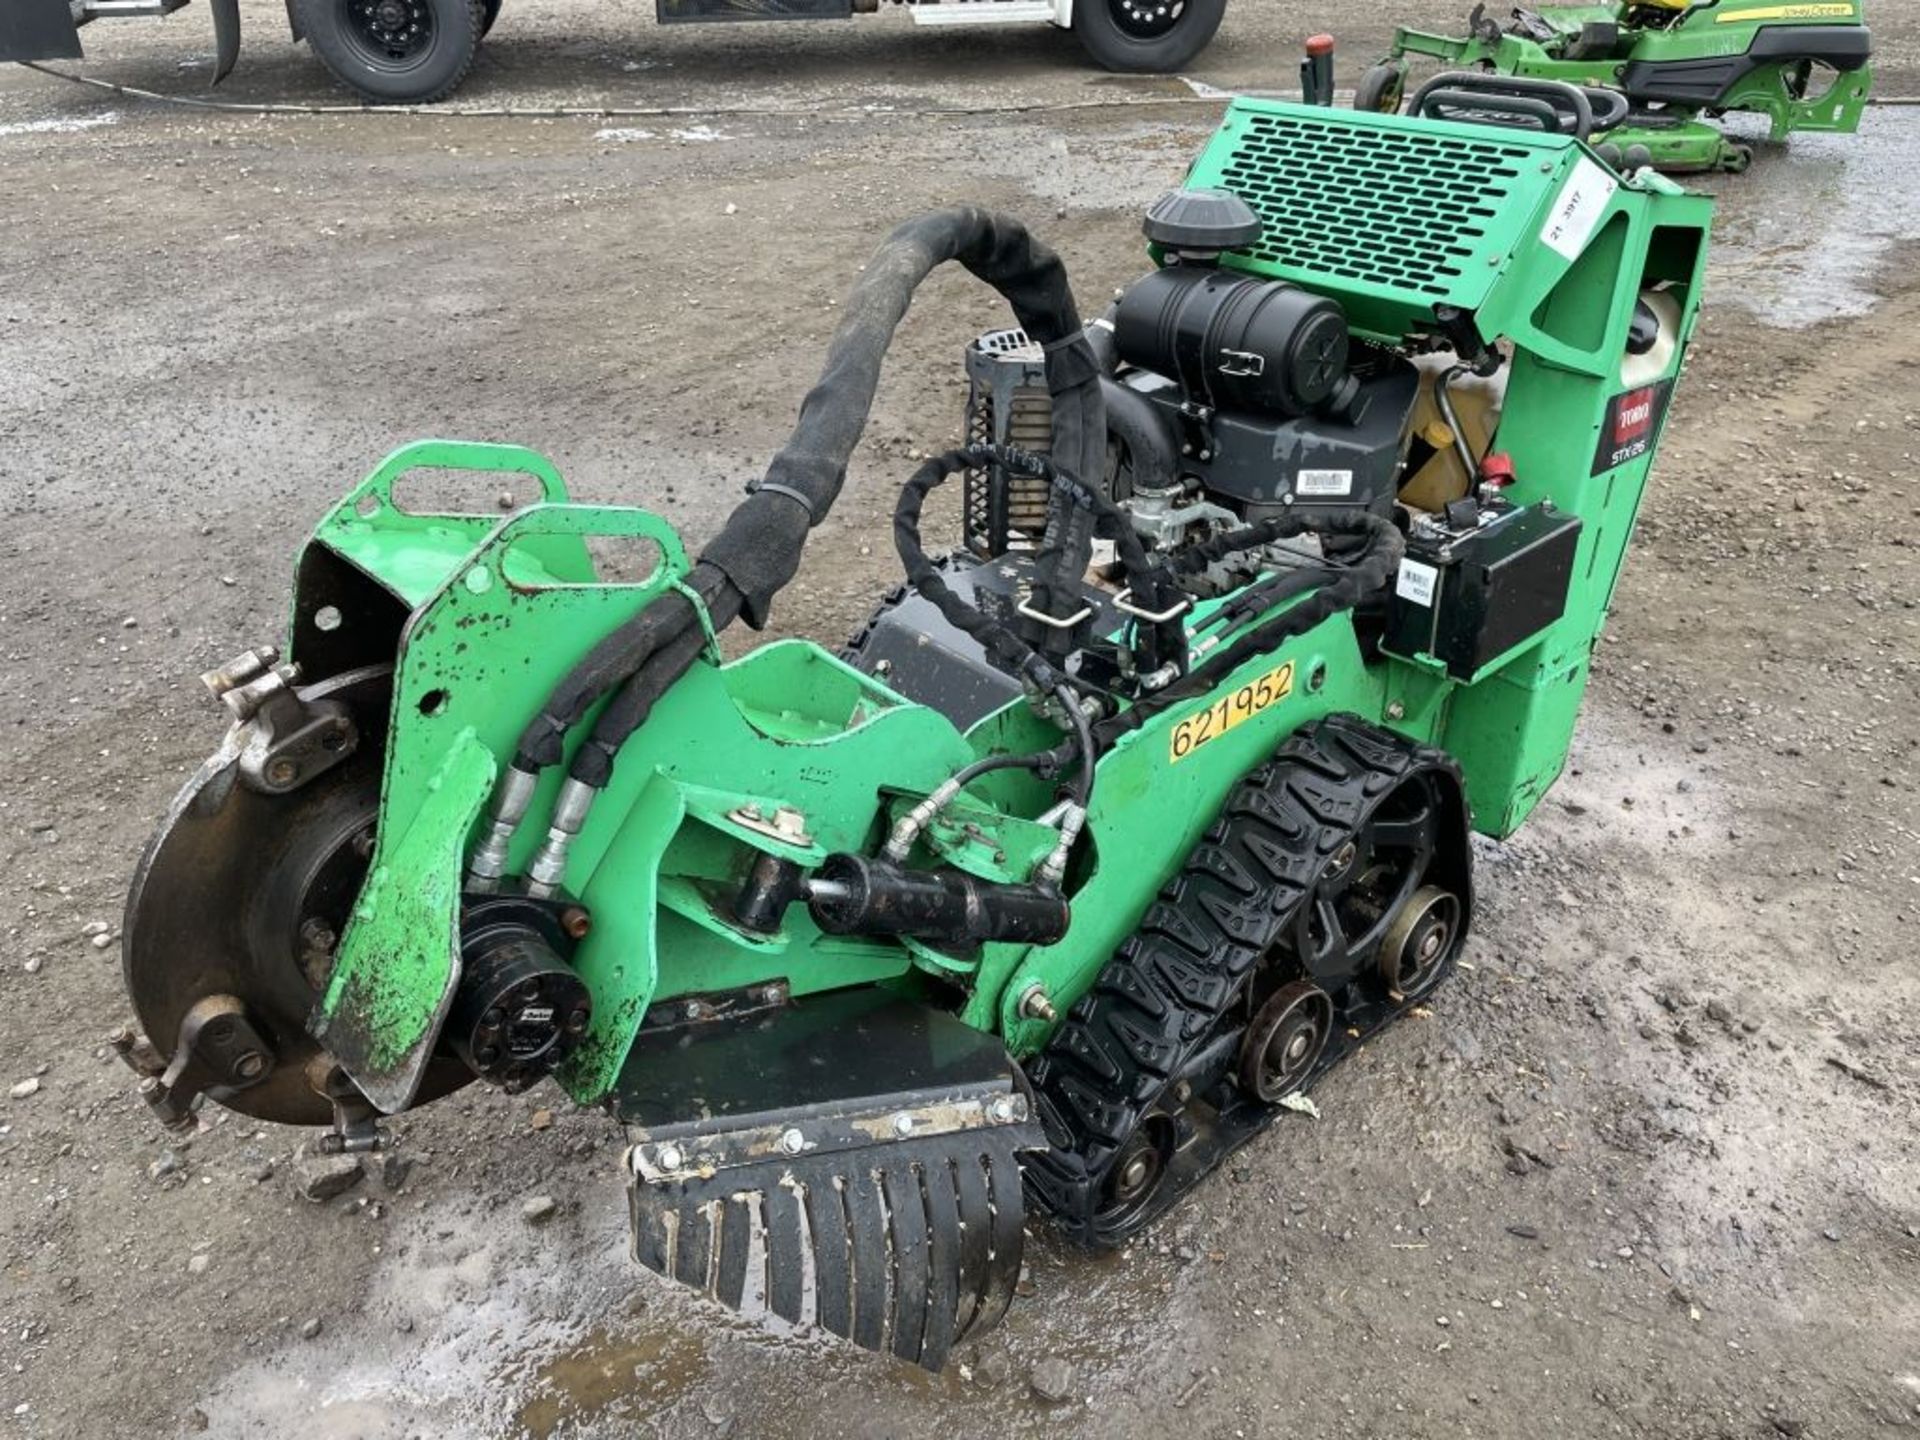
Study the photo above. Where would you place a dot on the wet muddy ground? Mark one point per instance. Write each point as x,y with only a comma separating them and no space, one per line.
1649,1167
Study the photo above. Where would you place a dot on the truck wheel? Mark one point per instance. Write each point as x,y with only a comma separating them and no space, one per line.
395,51
1381,89
1146,35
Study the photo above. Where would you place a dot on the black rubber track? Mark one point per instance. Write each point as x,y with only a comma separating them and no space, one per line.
1175,987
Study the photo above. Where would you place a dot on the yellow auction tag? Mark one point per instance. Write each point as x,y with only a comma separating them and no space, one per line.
1230,709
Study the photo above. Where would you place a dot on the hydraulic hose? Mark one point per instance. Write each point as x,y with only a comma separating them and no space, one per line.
619,654
1005,650
1366,574
628,711
900,843
1153,589
760,547
1265,594
758,550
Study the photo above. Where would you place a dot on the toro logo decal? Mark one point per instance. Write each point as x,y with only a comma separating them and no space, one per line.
1633,415
1632,420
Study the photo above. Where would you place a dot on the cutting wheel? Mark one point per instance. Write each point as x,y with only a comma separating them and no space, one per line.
244,894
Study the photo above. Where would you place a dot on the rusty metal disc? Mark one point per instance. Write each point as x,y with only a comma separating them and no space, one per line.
241,893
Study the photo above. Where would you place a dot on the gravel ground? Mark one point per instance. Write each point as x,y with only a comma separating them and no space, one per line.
1648,1169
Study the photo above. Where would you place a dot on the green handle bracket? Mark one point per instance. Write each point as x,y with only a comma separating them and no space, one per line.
487,645
375,493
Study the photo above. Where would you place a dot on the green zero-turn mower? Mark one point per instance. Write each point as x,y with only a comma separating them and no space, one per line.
1669,67
1109,833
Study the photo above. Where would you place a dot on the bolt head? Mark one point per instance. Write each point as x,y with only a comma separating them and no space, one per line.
792,1142
903,1124
1036,1004
1002,1109
671,1158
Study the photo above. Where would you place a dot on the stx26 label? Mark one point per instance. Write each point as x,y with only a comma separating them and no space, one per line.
1231,709
1632,420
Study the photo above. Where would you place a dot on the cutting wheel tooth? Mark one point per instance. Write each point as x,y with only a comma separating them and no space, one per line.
867,1223
907,1213
693,1246
832,1257
786,1262
943,1261
976,1241
735,1248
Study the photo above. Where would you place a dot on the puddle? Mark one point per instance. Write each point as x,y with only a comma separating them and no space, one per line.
1125,169
692,135
1799,238
614,1374
475,1324
453,1330
61,126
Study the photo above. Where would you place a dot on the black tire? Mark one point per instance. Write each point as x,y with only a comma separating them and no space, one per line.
395,52
1146,36
492,13
1381,89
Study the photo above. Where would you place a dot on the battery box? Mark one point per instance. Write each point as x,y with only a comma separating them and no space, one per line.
1479,580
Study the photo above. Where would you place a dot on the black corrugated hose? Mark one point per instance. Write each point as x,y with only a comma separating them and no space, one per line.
758,550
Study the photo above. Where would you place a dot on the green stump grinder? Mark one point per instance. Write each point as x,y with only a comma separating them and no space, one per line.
1111,832
1666,69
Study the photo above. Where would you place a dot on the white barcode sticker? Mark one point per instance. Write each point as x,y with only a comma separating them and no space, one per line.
1416,582
1578,208
1324,482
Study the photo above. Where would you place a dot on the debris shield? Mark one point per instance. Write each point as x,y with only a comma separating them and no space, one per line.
854,1165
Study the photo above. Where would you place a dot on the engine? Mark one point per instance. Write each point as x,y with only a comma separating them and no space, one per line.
1230,400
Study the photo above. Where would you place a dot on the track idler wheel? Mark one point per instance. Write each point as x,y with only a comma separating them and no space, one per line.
1423,934
1138,1172
1285,1041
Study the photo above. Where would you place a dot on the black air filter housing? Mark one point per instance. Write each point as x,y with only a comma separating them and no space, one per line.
1233,342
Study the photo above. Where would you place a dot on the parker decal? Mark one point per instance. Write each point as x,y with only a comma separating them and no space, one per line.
1633,419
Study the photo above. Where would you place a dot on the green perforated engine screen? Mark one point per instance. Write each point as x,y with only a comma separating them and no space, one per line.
1390,215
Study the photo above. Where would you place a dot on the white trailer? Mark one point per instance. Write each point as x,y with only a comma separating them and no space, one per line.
415,51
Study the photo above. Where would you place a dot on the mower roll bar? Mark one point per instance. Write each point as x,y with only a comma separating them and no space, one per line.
1553,106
